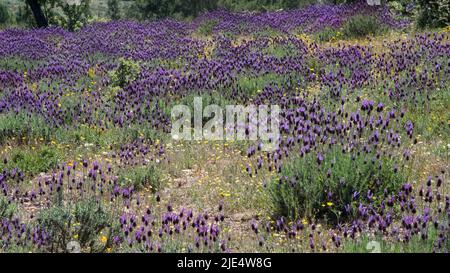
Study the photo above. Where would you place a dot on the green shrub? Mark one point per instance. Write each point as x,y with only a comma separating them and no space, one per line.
57,222
206,28
140,177
7,208
23,127
327,34
308,189
263,5
114,9
83,223
250,85
74,15
34,162
24,16
361,25
126,72
207,99
91,218
416,244
434,13
4,14
403,7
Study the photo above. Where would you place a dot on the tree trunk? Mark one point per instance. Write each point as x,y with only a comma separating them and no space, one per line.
41,21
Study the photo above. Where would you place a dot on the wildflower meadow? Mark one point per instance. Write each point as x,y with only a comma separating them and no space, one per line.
356,157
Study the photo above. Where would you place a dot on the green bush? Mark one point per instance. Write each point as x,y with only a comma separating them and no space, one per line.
263,5
360,26
114,9
434,13
23,126
126,72
4,14
74,16
82,222
7,208
151,9
306,188
91,218
327,34
140,177
24,16
403,7
34,162
207,27
57,222
416,244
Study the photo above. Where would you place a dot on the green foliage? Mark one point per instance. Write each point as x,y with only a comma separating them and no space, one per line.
207,27
360,26
236,5
74,16
68,14
207,99
126,72
288,4
90,219
114,9
429,116
434,13
57,222
151,9
403,7
4,14
327,34
141,177
253,85
417,244
263,5
323,190
24,16
82,222
337,2
7,208
34,161
23,127
270,32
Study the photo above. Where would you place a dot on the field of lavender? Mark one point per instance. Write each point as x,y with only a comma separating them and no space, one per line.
87,161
